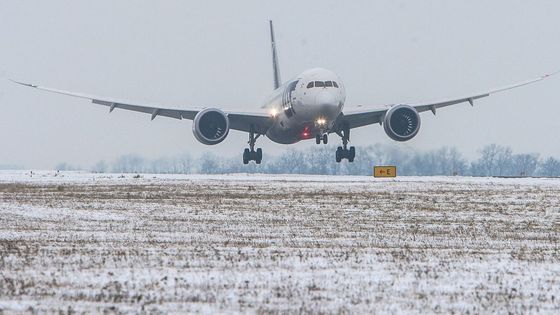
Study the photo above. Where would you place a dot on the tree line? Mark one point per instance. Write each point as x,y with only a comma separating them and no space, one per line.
492,160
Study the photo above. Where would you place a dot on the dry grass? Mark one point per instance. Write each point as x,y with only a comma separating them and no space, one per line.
279,246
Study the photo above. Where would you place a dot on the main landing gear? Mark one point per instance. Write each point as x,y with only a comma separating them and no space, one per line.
343,152
251,154
324,138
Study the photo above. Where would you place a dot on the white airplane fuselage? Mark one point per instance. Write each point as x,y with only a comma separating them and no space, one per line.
306,106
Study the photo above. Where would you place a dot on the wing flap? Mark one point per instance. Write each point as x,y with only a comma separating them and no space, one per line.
154,111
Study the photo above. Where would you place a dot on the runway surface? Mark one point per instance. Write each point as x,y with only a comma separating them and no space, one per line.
80,242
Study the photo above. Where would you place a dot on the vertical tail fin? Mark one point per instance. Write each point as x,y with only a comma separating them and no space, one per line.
275,67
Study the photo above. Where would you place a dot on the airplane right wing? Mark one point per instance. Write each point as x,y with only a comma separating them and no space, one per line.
364,117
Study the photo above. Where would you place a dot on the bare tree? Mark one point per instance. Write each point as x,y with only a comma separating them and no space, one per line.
210,164
130,163
550,167
184,164
486,164
319,160
457,164
495,160
100,167
525,164
64,166
290,162
504,161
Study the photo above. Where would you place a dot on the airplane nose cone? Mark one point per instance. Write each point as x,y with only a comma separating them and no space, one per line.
326,99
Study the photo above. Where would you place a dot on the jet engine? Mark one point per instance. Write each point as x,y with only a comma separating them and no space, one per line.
210,126
401,122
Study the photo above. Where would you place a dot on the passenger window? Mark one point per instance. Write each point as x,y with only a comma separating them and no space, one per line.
310,85
335,85
328,83
319,84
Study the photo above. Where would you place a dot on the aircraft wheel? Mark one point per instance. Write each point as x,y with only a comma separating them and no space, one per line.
325,138
258,157
351,154
338,154
318,139
246,154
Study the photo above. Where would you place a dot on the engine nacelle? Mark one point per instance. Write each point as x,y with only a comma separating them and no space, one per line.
210,126
401,122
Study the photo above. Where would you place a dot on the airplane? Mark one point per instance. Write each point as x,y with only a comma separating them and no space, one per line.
309,106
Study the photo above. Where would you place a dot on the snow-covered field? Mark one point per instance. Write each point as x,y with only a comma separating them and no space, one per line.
80,242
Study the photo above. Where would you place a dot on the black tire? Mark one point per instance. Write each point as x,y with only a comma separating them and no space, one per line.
325,138
318,139
338,154
351,154
246,156
258,157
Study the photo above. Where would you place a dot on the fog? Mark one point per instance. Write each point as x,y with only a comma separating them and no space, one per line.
209,53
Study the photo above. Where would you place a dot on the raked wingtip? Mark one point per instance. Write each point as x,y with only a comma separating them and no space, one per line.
23,83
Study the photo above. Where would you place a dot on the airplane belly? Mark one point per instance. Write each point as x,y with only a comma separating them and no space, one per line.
285,131
282,136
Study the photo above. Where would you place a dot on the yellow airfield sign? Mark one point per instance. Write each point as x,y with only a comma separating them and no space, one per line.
384,171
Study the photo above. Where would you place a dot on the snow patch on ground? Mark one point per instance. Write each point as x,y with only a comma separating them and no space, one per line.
82,242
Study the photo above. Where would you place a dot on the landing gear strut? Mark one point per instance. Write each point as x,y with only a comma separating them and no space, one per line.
343,152
251,154
324,138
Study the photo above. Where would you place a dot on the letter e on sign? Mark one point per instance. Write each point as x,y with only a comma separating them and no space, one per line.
384,171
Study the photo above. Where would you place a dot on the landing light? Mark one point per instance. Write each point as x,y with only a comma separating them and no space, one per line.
273,112
321,121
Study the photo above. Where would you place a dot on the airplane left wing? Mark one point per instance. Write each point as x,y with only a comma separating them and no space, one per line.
364,117
257,122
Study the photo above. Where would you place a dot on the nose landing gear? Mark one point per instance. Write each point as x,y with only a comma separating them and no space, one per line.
324,138
251,154
343,152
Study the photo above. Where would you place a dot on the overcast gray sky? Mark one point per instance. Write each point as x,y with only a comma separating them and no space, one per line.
216,53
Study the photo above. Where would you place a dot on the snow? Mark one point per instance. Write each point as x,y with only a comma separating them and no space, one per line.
42,176
240,243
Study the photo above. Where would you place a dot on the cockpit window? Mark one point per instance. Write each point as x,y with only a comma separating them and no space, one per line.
322,84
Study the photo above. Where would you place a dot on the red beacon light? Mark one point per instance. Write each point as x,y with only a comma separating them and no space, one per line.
305,134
